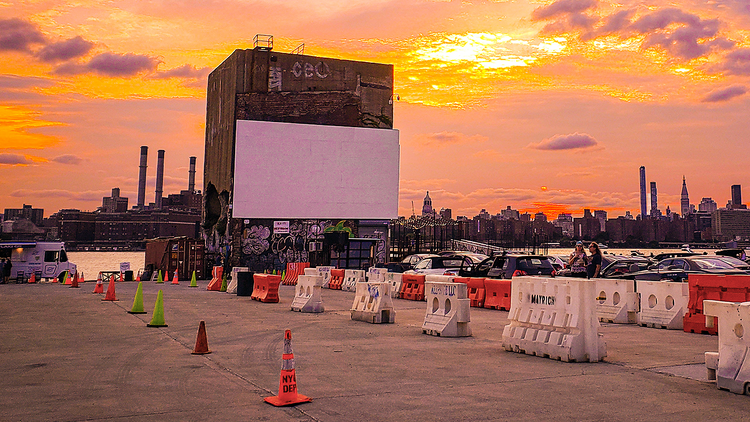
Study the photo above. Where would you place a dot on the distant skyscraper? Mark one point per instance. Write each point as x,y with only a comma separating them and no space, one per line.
707,205
654,203
427,205
737,198
684,200
643,192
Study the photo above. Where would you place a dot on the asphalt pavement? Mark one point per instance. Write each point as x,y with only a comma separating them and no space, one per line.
67,356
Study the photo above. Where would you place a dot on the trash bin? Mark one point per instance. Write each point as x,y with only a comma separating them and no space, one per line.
128,276
245,283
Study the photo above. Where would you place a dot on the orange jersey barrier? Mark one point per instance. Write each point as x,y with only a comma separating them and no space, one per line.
475,287
293,271
412,287
726,288
266,288
337,279
215,283
497,294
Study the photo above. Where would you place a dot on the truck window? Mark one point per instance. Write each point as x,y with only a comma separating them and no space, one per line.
50,256
63,256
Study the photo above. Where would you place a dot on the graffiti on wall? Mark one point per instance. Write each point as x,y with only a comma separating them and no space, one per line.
309,70
380,252
262,249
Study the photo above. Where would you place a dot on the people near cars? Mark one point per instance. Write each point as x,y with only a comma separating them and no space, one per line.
578,261
595,261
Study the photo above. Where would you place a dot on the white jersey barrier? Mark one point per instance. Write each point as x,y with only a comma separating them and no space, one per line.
323,271
663,304
448,309
730,367
307,294
394,279
435,278
351,278
376,274
555,318
373,303
232,286
617,301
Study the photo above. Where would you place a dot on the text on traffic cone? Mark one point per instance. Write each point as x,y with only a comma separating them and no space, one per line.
288,394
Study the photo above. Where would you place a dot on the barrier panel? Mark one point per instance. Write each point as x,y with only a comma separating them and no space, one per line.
307,294
312,271
232,286
215,283
475,289
617,301
497,294
438,278
293,271
337,279
448,309
727,288
351,278
412,287
663,304
373,303
394,279
554,318
266,288
730,367
376,274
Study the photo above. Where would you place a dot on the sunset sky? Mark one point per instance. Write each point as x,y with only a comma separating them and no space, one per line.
541,105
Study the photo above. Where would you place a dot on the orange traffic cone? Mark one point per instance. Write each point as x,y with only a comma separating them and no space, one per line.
74,283
67,281
288,380
54,280
99,286
110,296
201,342
80,279
32,279
121,277
175,279
138,277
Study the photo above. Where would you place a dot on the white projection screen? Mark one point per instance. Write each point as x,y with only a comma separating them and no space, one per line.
299,171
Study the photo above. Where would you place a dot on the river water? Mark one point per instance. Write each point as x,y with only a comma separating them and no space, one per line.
90,263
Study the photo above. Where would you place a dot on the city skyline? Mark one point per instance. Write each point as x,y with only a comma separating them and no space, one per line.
547,106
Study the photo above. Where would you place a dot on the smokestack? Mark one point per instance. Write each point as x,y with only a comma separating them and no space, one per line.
159,178
191,176
142,178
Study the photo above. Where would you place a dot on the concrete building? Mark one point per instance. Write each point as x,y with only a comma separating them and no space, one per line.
510,214
35,215
255,99
446,213
655,213
565,222
707,205
736,202
114,203
729,224
427,206
684,199
642,172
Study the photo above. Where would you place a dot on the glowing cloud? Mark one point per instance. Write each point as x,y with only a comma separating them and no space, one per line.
19,35
725,94
565,142
65,50
442,139
15,159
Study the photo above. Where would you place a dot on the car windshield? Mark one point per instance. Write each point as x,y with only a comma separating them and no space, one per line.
450,263
424,264
532,263
734,261
624,267
712,264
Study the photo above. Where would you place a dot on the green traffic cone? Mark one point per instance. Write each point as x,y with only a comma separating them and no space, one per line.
159,279
158,319
138,301
223,284
193,281
283,275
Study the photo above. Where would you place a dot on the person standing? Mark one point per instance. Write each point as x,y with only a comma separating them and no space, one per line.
2,270
578,261
6,270
595,264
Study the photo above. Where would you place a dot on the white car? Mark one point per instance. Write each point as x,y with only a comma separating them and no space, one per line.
442,265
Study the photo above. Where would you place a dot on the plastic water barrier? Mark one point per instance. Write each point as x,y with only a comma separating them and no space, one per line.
216,279
726,288
307,296
394,279
232,286
663,304
476,290
555,318
337,279
323,271
617,301
294,270
351,278
448,309
376,274
412,287
373,303
730,367
266,288
497,294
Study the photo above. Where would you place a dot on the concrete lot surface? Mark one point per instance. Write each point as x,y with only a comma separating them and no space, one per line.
68,356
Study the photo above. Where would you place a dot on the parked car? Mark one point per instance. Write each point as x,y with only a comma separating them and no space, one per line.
444,265
678,269
411,260
557,262
511,265
617,266
735,262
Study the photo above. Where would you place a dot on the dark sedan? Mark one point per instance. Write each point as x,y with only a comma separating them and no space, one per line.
678,269
511,265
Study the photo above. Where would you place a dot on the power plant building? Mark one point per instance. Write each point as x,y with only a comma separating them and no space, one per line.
298,150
